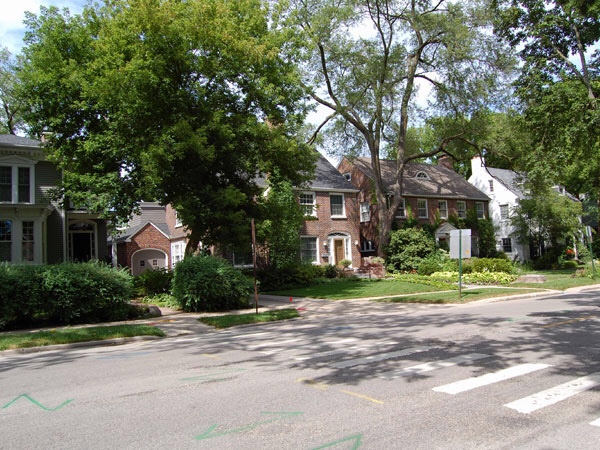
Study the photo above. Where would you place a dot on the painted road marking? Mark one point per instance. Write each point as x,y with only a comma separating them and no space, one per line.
35,402
596,423
565,322
213,375
322,386
556,394
364,397
489,378
380,357
343,350
356,439
421,368
211,432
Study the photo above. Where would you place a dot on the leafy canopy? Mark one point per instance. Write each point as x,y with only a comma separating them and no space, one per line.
183,102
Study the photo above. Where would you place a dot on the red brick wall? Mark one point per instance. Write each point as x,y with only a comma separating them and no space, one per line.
147,237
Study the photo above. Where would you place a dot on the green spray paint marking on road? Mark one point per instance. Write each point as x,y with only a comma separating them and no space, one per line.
36,403
357,438
210,432
213,375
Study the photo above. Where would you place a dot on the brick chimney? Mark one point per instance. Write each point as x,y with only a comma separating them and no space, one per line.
445,161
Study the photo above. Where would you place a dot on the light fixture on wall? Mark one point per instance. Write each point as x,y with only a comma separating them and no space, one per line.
356,243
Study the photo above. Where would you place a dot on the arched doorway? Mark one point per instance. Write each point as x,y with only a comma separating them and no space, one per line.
148,258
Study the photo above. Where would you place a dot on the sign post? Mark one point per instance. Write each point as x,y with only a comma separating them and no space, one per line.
588,232
460,247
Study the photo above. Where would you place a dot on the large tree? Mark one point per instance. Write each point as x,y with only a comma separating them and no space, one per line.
559,86
11,105
184,102
367,61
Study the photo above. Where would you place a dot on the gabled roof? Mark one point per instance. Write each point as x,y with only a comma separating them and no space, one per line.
440,182
129,233
511,180
327,178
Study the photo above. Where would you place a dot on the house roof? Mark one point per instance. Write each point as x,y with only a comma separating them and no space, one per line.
12,140
424,180
512,180
129,233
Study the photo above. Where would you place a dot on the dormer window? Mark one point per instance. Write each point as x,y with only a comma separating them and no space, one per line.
348,176
422,176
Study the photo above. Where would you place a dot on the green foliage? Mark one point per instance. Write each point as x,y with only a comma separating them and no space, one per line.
408,248
166,300
63,294
11,105
206,283
476,277
279,229
294,276
481,265
181,102
435,262
152,282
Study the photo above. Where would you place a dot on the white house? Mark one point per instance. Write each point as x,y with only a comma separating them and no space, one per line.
504,188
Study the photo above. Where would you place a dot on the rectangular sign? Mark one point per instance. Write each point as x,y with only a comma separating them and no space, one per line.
460,239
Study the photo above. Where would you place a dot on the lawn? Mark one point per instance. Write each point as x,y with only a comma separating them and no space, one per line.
468,295
352,288
14,340
231,320
560,280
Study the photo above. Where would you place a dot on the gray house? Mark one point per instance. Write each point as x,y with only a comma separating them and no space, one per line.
33,228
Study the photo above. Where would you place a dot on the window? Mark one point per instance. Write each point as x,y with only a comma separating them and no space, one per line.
443,207
16,184
308,249
479,209
178,221
367,246
491,185
365,212
506,245
401,209
422,175
155,262
82,240
142,263
28,242
307,203
177,252
5,240
336,203
461,209
348,176
504,212
422,208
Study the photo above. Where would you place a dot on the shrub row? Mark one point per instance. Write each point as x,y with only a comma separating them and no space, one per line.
476,277
292,276
62,294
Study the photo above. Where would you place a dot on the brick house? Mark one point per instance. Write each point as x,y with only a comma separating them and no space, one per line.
153,239
34,228
330,232
430,193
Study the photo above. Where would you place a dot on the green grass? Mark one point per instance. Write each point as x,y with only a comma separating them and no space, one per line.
232,320
560,280
468,295
14,340
346,289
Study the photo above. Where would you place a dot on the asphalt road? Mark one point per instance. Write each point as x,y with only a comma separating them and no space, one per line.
516,374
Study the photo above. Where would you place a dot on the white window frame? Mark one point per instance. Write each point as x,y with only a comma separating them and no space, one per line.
178,222
401,213
343,214
316,241
16,163
419,208
177,252
461,209
480,210
18,243
305,206
507,243
422,176
443,211
491,183
365,212
504,211
93,238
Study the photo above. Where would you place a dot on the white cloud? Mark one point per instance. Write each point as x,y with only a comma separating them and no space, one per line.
12,14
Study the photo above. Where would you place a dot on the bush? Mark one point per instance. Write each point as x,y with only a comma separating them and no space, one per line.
294,275
476,277
62,294
407,249
207,283
492,265
152,282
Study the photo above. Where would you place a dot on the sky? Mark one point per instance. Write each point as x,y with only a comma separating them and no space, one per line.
12,14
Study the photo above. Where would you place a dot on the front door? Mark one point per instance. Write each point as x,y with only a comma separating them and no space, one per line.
340,254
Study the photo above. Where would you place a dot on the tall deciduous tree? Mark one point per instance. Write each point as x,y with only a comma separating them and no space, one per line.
367,61
559,86
184,102
11,106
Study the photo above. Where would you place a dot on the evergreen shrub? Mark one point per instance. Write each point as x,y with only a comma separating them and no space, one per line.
492,265
207,283
408,248
153,282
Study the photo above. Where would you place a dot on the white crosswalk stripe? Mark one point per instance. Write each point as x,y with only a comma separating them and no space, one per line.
556,394
489,378
379,357
345,350
596,423
426,367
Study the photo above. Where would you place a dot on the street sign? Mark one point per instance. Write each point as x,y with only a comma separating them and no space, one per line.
460,244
